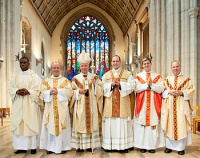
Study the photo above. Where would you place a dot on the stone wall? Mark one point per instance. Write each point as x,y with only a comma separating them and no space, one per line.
39,35
174,33
175,37
11,14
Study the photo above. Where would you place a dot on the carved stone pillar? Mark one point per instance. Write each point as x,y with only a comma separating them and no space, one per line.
2,53
8,30
163,39
158,37
170,34
177,30
152,32
193,13
185,37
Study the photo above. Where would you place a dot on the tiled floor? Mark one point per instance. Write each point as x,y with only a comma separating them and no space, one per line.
6,150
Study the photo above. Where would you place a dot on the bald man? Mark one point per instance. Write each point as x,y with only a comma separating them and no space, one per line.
56,92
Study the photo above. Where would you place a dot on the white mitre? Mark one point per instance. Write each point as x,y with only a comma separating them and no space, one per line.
84,58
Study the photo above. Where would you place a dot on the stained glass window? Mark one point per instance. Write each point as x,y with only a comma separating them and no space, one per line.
87,34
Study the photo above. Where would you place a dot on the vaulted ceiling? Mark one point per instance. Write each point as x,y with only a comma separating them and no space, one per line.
52,11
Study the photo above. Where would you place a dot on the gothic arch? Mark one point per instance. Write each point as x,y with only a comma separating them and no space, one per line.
77,15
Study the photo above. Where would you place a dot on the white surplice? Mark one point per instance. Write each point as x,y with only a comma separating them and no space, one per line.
26,116
59,143
117,133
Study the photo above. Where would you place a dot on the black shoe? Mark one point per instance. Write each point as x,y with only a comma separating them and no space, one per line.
126,151
80,150
152,151
63,152
107,150
131,148
123,151
181,152
90,150
33,151
20,151
167,150
143,150
49,152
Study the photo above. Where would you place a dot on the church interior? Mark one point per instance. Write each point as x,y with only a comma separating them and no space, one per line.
59,30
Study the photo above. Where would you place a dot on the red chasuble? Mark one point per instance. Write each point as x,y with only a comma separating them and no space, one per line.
147,93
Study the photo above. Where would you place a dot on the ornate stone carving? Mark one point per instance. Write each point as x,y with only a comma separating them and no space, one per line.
193,12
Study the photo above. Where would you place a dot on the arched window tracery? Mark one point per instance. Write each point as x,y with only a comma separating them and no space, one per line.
87,34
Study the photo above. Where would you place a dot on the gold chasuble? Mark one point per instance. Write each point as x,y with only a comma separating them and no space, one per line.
82,107
176,112
116,105
55,111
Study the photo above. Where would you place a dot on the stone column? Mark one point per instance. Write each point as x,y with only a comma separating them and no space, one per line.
158,36
12,39
170,34
177,29
193,13
7,50
1,31
10,45
2,53
185,37
152,31
7,47
163,39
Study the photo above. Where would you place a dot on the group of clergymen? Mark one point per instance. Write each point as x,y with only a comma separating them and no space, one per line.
87,112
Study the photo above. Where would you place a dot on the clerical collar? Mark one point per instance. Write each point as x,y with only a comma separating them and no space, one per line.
146,72
54,77
116,70
84,75
180,74
25,72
